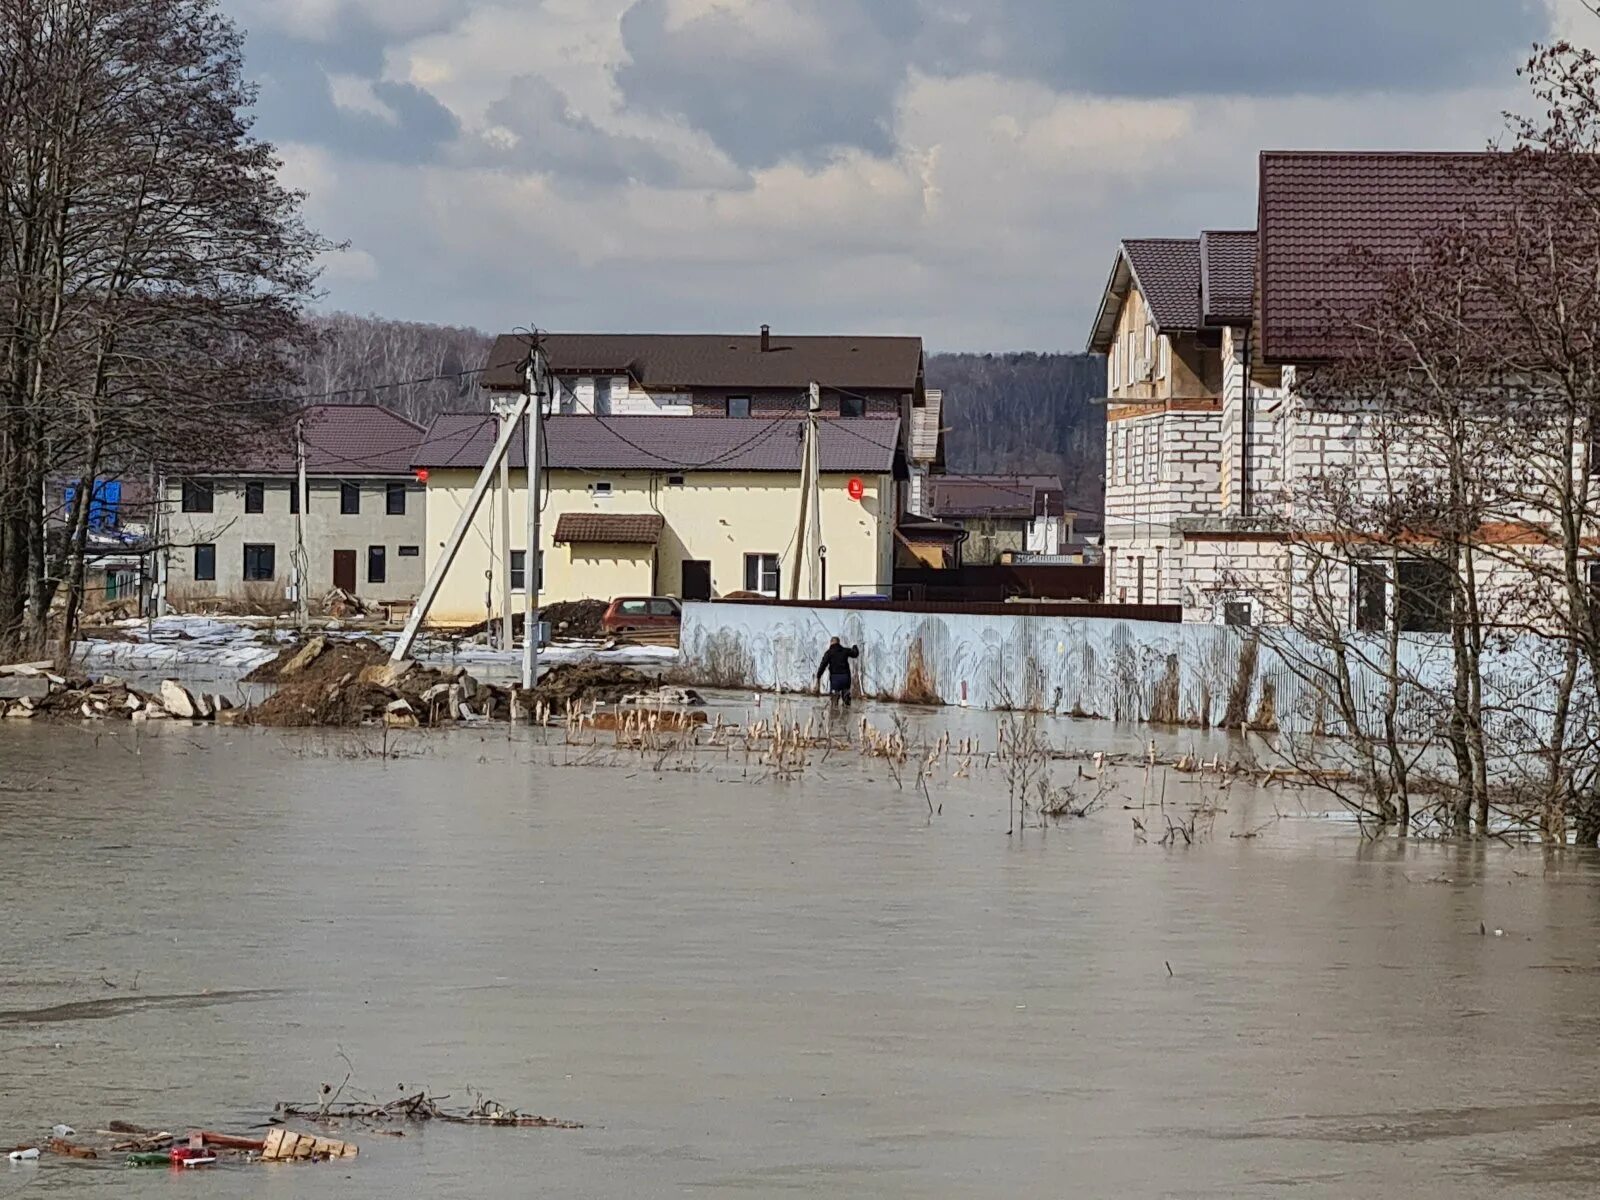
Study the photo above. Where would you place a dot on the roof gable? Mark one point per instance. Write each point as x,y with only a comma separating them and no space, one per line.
1166,272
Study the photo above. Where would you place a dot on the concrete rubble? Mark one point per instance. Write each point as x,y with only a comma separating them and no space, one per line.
30,690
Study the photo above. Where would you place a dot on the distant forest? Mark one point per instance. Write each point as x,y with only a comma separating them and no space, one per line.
1004,413
1026,414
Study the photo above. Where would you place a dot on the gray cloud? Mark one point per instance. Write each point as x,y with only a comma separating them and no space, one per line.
763,99
296,100
551,136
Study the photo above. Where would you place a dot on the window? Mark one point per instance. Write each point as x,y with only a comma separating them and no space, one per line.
255,497
409,552
1371,597
519,570
1150,344
205,561
674,480
260,562
663,608
602,397
1423,596
1238,613
852,406
761,574
634,608
377,565
738,406
394,499
197,496
1163,356
1111,370
603,488
294,498
349,499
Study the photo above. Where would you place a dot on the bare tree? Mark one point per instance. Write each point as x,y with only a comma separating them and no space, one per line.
153,272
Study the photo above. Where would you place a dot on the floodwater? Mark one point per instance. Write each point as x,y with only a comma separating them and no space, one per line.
759,989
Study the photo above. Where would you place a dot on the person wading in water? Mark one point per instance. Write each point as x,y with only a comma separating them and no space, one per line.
836,662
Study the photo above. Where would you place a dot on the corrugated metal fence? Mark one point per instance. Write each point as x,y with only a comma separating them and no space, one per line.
1131,670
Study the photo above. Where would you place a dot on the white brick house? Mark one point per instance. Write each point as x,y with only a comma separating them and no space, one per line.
1208,441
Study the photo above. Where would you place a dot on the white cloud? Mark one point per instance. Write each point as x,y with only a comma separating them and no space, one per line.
989,222
354,94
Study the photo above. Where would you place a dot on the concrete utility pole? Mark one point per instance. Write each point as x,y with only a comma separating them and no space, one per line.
814,488
504,411
536,387
302,498
447,555
807,563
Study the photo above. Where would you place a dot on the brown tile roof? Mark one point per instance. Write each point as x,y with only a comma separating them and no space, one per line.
1227,276
609,527
677,361
341,439
1319,209
1167,271
867,445
995,496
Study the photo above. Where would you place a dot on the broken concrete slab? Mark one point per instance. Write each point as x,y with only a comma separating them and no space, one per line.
175,698
312,651
32,668
24,687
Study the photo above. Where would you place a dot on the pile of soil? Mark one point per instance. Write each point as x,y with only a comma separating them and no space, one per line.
323,660
575,618
568,619
588,681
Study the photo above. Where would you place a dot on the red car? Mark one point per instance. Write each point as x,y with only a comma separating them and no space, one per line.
639,614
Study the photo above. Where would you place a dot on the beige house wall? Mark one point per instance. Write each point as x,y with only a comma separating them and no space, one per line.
228,527
715,516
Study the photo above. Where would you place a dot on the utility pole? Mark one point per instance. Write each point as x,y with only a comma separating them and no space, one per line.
536,385
814,491
447,555
302,498
504,412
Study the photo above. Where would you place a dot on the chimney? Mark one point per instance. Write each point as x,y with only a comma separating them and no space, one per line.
766,338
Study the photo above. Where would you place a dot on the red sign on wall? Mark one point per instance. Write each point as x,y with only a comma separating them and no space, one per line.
856,488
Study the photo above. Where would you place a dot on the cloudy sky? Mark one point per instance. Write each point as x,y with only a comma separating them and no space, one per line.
961,169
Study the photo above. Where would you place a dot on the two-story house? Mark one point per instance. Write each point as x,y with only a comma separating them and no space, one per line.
1174,324
1209,440
674,461
234,531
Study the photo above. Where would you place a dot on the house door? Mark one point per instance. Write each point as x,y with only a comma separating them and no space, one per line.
344,570
696,579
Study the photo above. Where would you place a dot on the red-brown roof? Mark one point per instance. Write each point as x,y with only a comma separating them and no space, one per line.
1024,496
672,444
1227,276
340,439
684,361
1321,212
609,527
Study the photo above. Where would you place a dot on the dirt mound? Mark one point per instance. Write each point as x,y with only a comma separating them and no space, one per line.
568,619
319,660
588,681
575,618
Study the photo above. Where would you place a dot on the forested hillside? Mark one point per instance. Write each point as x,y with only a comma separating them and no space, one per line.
1024,414
1005,413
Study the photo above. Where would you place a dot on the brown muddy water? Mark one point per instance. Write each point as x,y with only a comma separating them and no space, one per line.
747,990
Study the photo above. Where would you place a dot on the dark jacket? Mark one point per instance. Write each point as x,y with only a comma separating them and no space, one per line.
836,660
